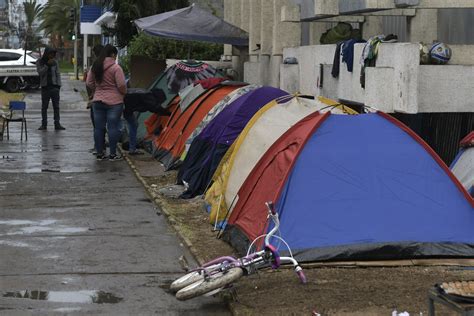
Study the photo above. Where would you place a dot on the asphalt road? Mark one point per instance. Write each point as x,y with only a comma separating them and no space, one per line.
78,236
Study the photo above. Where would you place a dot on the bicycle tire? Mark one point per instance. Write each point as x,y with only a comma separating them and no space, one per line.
192,277
185,280
204,286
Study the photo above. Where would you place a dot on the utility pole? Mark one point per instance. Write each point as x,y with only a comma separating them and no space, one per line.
73,18
76,69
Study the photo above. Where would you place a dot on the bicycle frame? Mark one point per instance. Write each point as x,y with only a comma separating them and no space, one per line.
267,255
219,273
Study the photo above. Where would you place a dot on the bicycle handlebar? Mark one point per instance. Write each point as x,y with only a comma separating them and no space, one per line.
302,276
270,207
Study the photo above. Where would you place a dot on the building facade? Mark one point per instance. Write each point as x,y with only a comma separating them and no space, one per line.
424,96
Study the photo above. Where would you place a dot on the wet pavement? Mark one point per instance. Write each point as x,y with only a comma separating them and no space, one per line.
78,236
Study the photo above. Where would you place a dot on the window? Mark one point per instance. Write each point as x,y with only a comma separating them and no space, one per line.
4,56
34,55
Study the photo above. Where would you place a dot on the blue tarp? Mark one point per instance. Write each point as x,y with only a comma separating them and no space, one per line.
193,24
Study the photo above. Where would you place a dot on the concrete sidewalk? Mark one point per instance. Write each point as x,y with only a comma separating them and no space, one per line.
82,230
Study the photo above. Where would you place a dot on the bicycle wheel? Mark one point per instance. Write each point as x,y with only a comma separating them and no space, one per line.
192,277
204,286
186,280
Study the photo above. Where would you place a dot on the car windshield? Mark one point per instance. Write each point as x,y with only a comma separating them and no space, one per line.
34,55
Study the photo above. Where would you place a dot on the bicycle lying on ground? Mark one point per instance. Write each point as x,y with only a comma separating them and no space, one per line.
219,273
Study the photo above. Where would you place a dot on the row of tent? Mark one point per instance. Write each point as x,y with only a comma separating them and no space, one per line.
347,186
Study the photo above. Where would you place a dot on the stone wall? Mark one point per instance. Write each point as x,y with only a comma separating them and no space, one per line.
215,6
398,83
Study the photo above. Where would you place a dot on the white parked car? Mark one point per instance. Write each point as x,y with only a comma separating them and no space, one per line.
14,75
16,57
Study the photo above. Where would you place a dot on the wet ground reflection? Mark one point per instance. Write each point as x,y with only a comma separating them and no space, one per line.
85,297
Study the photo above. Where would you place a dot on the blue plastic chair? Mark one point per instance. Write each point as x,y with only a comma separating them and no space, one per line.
16,106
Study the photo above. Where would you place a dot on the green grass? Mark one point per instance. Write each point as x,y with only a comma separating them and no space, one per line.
6,97
66,66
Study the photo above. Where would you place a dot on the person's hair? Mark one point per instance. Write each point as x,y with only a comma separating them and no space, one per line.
97,49
47,51
98,65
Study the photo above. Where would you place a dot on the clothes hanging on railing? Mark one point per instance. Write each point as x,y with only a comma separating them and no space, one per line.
370,52
347,53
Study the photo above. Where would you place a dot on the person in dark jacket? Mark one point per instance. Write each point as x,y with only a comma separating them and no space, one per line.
140,100
50,80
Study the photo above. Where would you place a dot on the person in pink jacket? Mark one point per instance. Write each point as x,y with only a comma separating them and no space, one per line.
107,79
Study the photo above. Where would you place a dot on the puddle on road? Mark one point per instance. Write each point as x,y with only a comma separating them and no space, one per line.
15,244
19,222
51,230
51,257
32,227
71,230
31,230
84,297
50,170
67,309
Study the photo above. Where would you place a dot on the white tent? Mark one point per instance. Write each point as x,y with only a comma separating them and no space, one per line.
463,169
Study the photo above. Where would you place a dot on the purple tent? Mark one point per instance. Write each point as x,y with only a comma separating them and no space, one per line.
208,148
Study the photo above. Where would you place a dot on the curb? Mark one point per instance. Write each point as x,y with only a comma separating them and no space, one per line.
157,200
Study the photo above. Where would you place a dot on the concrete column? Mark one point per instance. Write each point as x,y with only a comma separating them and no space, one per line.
245,15
228,18
264,70
239,58
372,26
423,27
228,11
285,34
237,67
274,76
255,26
237,12
266,31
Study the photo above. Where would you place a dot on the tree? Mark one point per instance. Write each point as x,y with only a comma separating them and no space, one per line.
129,10
55,16
162,48
32,11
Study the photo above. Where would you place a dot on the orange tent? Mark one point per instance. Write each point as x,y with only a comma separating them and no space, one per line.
171,142
156,123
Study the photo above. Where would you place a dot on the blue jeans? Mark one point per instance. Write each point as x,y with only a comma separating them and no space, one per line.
107,115
132,130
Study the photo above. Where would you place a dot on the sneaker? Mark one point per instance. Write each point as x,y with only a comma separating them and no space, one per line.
135,152
115,157
42,128
94,152
101,157
59,128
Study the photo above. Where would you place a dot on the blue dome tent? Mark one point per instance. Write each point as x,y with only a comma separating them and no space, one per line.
360,187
